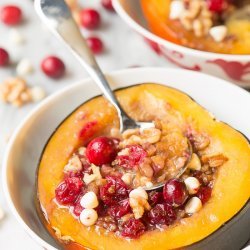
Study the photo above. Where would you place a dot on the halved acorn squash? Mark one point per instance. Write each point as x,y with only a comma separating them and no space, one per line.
146,102
156,13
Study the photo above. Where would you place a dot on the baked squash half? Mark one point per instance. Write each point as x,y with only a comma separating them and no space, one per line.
146,102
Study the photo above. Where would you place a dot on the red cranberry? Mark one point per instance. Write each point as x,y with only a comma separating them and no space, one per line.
132,228
95,44
216,5
68,191
136,156
155,198
53,67
77,206
113,191
175,192
90,18
120,209
4,57
107,4
88,130
101,150
204,194
162,214
11,15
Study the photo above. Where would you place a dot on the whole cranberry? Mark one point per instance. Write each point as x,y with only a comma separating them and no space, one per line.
90,18
175,192
120,209
135,156
101,150
68,190
107,4
132,228
113,191
216,5
53,67
161,214
4,57
11,15
204,194
155,198
95,44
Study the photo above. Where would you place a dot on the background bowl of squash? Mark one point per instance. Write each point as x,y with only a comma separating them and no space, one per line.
228,59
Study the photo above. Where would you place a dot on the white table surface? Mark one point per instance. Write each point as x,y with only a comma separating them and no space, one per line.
124,48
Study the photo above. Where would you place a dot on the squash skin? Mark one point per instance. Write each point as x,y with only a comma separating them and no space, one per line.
156,13
223,139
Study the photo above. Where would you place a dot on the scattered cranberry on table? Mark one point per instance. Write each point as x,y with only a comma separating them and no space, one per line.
107,4
11,15
53,67
90,19
4,57
95,44
101,150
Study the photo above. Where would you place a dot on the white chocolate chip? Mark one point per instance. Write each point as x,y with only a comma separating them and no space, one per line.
24,67
138,193
192,185
195,163
193,206
149,184
88,217
176,9
218,33
16,37
37,93
127,178
89,200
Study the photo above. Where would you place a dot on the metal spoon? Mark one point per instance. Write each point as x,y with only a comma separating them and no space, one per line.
57,16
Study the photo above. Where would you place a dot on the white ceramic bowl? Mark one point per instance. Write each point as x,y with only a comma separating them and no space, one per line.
235,68
227,101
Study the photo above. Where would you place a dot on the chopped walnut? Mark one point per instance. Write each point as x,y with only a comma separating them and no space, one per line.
215,160
196,17
16,92
139,205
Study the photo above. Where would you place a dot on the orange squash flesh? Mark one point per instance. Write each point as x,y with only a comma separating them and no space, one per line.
156,13
149,101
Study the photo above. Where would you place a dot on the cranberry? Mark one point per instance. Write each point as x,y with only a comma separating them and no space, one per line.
175,192
113,191
88,130
162,214
155,198
95,44
216,5
53,67
11,15
68,191
101,150
4,57
132,228
90,18
107,4
136,156
120,209
204,194
77,206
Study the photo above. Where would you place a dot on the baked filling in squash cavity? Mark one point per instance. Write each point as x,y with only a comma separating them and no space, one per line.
92,179
220,26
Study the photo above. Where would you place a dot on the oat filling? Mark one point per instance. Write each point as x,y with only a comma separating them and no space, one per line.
104,183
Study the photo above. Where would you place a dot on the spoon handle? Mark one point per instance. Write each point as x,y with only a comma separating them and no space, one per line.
57,16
